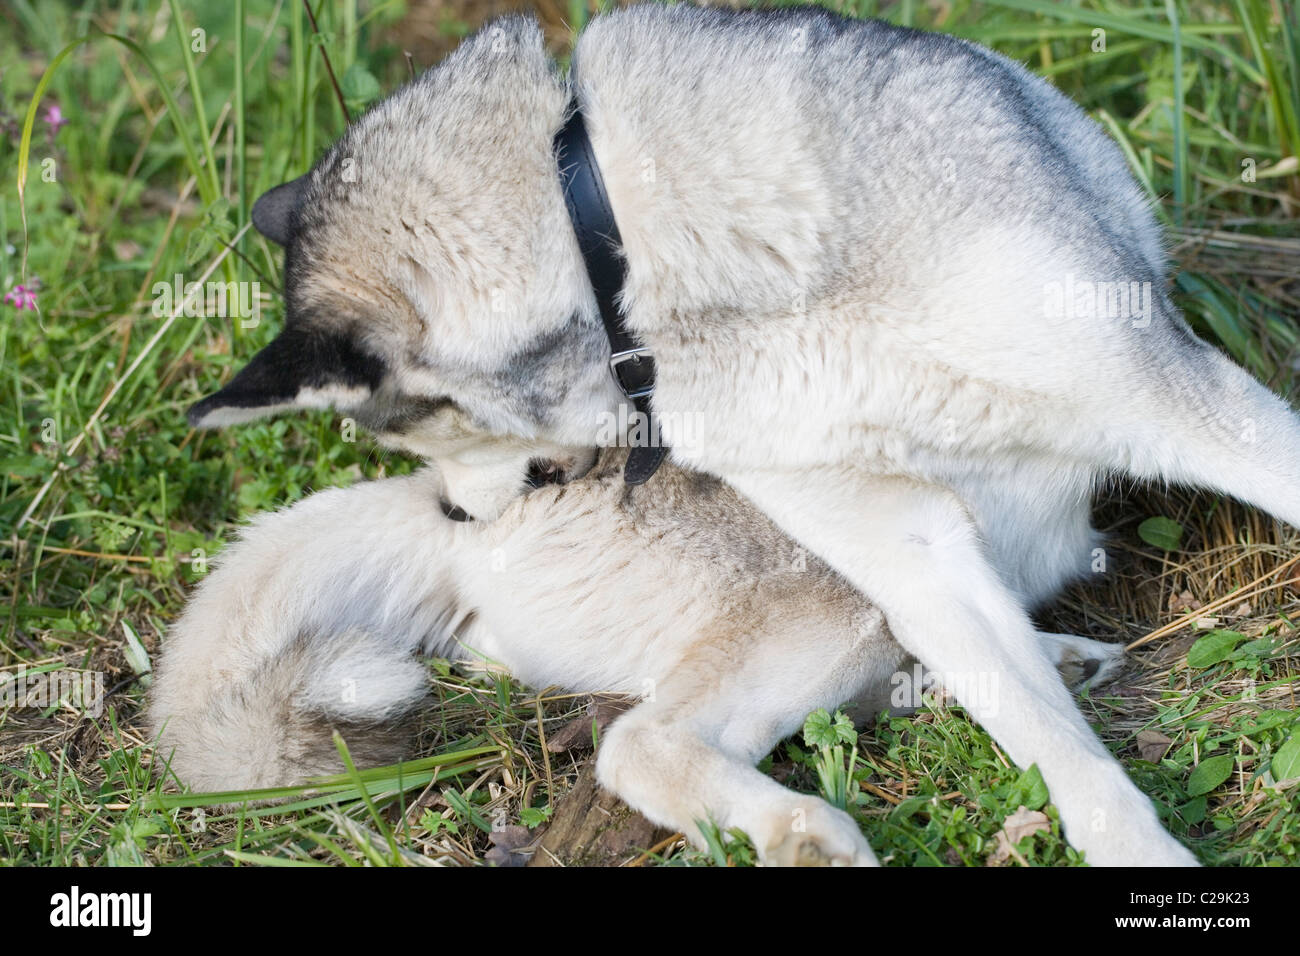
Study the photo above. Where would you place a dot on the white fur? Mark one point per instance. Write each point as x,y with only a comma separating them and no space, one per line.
729,636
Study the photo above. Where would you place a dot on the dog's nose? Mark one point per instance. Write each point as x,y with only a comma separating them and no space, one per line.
453,512
542,472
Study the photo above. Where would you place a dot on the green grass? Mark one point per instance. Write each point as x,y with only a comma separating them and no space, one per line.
170,135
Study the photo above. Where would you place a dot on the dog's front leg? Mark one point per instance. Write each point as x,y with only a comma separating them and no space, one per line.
914,551
670,771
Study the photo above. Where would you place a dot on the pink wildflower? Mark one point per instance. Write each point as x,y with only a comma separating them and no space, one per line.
54,116
21,297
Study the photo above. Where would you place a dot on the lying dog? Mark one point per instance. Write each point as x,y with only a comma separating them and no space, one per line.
898,292
730,635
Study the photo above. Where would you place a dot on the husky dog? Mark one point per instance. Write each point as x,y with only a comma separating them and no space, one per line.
731,635
907,296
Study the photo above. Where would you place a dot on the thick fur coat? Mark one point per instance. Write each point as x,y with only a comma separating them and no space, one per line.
727,632
902,295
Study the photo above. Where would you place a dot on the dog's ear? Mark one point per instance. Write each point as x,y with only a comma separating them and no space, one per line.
301,368
274,210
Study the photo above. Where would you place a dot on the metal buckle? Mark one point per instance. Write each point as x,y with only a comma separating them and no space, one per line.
632,355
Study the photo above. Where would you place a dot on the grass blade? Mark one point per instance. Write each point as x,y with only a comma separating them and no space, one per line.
1182,171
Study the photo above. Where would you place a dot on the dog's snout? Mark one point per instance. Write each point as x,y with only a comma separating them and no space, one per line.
542,472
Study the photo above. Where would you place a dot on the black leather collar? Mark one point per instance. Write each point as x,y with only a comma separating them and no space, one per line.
632,365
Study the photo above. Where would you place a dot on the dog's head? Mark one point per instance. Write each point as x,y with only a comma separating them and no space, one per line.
434,290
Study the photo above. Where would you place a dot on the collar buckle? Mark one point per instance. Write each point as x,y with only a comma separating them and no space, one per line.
634,372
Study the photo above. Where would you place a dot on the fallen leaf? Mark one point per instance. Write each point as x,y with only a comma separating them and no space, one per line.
136,655
576,734
1152,745
1186,601
507,844
125,250
1024,822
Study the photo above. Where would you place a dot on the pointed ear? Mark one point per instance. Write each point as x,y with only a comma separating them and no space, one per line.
301,368
274,210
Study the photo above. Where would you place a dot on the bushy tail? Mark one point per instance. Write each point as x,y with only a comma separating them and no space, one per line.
276,726
313,622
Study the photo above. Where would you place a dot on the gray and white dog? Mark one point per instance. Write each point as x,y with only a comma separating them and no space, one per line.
902,295
679,593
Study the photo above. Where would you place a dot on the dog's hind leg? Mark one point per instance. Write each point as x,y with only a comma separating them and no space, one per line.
914,550
1082,662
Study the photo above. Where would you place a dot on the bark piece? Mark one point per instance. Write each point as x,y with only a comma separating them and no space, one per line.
592,827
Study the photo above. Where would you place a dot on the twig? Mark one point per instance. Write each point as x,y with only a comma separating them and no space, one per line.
97,554
661,845
329,68
881,793
546,755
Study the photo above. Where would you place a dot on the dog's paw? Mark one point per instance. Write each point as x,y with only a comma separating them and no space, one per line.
814,833
1114,824
1082,662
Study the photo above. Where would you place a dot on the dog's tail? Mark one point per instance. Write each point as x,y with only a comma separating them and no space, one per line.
313,623
276,725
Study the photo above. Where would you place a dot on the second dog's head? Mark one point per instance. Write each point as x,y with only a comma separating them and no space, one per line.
483,473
